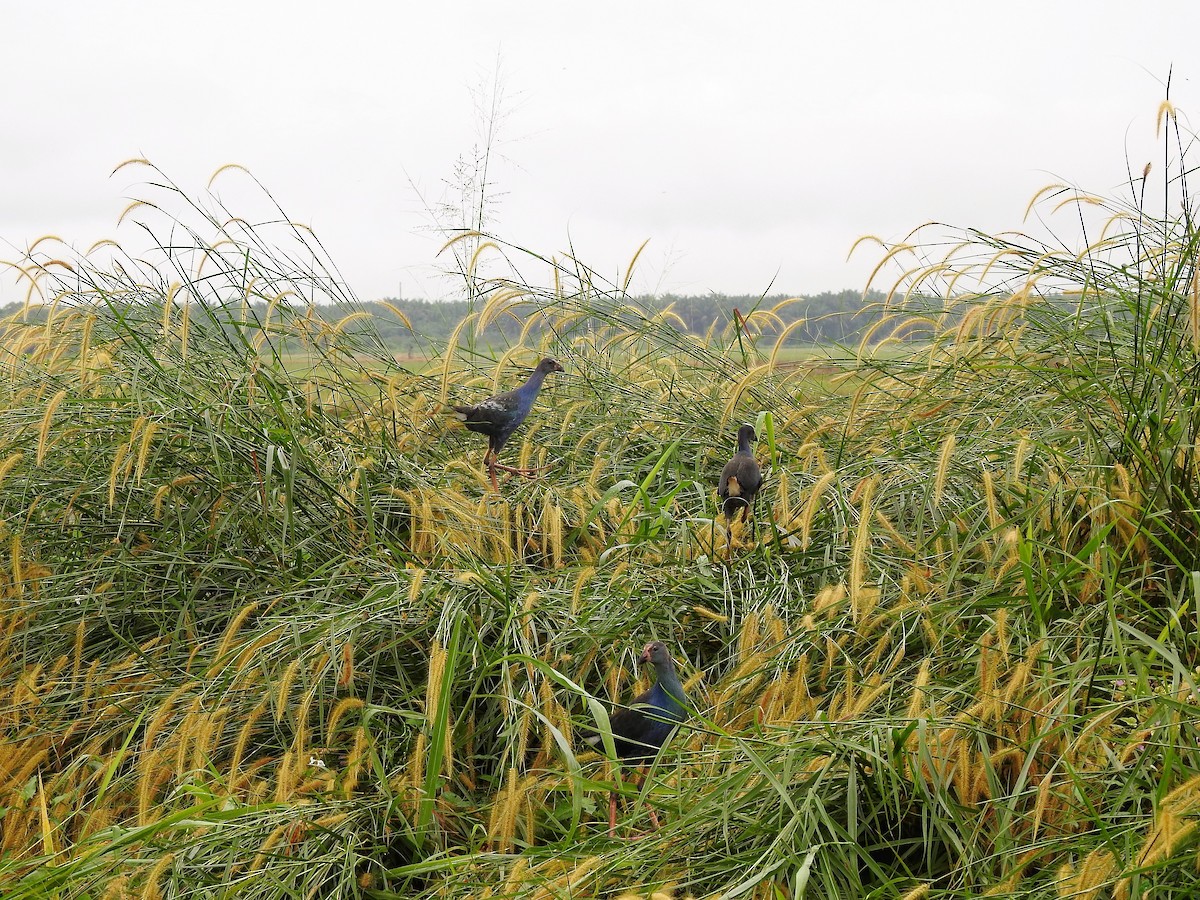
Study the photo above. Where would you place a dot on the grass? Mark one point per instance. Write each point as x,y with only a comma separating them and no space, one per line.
266,631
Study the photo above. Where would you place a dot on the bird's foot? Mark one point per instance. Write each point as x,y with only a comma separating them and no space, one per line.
653,817
528,473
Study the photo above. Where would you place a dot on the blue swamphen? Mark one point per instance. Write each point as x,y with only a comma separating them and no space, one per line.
741,478
640,729
498,417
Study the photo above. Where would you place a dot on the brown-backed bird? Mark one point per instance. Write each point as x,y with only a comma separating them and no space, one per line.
741,478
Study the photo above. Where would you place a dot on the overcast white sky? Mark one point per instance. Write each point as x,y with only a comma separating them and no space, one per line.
749,142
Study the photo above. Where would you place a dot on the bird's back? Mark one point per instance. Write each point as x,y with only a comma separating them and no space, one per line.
493,416
740,480
499,416
640,730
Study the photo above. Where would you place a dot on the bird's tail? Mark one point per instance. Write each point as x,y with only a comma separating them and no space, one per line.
733,505
450,409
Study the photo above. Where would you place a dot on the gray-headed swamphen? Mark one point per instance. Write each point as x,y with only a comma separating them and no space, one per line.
741,478
498,417
640,729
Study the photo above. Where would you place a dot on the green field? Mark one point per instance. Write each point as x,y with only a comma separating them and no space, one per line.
268,632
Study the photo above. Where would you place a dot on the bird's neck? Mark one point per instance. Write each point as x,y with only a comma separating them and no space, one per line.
668,680
534,384
744,446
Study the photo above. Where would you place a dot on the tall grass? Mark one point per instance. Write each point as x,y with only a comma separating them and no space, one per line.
271,634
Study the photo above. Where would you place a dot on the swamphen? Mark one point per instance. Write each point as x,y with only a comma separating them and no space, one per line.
498,417
640,729
741,478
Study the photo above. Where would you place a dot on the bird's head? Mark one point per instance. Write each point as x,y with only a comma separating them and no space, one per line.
747,434
656,654
548,365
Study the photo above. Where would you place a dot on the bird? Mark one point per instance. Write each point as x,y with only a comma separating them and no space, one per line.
499,416
640,729
741,478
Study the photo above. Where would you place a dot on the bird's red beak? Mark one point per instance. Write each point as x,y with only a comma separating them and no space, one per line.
645,657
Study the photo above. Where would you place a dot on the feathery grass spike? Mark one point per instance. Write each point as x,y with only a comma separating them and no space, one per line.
499,416
640,729
741,478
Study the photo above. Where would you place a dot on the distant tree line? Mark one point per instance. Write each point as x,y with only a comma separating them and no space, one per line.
840,317
827,318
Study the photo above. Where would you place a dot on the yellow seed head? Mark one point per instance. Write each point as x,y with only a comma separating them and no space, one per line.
416,577
284,689
221,660
989,493
1018,463
47,418
812,504
345,705
829,599
153,890
1095,872
919,701
862,601
264,851
152,777
149,432
243,739
77,654
943,469
1041,805
9,464
581,582
1194,310
748,639
165,709
15,563
524,722
114,474
354,761
502,824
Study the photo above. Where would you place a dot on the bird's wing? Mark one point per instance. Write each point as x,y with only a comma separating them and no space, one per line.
726,473
496,410
752,476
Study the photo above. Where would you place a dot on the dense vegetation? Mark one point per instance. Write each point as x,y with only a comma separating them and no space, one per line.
268,634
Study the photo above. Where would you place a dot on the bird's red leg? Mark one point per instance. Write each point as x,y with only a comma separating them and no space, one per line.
612,814
516,471
639,779
653,817
491,465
